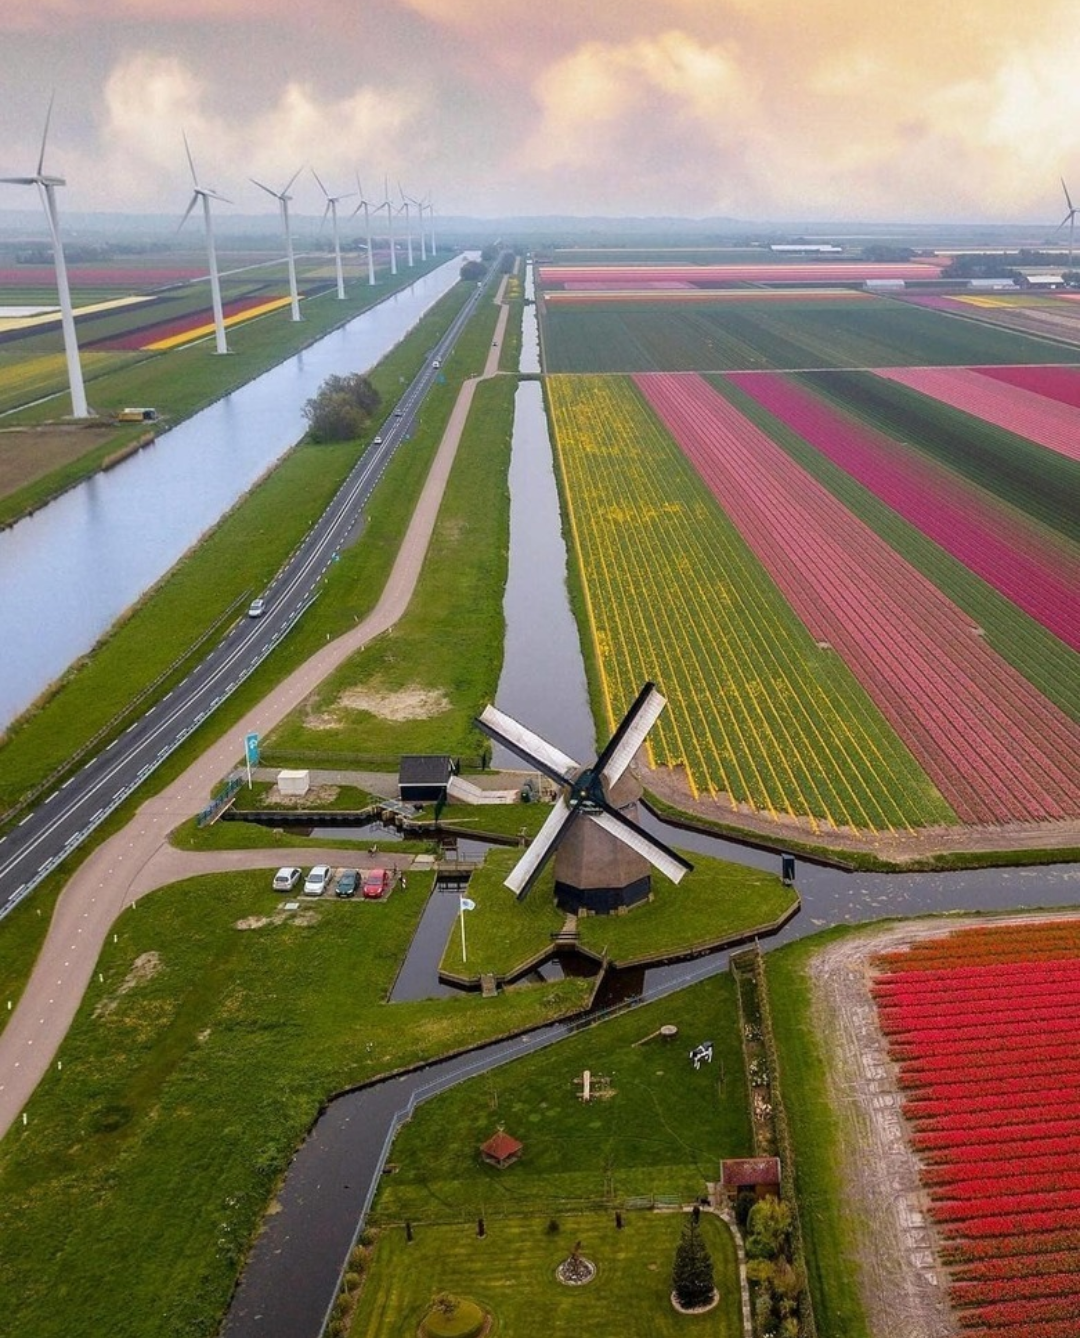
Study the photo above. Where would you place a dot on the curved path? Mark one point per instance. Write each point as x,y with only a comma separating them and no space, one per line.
139,858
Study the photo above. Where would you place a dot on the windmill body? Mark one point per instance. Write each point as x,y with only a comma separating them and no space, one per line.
602,856
283,197
205,195
47,189
1069,218
408,229
365,206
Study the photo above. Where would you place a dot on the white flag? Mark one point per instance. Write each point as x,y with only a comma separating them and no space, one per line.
467,905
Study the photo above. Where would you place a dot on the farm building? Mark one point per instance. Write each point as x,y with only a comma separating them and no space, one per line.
424,777
1043,283
760,1174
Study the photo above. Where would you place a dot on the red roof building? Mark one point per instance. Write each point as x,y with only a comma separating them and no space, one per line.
761,1174
500,1149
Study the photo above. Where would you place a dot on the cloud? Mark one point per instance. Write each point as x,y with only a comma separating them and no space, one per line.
149,99
51,16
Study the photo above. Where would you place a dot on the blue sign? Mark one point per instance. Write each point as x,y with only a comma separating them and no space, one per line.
251,749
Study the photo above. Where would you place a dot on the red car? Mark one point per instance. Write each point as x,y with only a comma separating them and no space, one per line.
376,882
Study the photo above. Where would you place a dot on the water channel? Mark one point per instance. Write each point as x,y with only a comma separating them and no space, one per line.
70,570
329,1182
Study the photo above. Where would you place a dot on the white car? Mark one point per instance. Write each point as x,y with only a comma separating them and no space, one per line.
377,441
286,879
436,363
256,608
318,880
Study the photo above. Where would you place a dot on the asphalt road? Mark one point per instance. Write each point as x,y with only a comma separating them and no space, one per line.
62,821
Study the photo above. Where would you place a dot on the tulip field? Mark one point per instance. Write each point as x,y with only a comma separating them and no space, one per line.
759,711
982,1025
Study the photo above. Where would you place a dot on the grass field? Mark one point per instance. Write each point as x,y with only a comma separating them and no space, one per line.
757,710
194,1066
511,1272
781,335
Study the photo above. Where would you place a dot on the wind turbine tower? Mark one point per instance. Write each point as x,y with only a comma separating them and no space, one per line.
408,229
283,197
420,223
367,228
387,204
1069,218
431,222
331,209
204,194
47,189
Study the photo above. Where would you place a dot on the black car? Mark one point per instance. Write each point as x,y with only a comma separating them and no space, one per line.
347,883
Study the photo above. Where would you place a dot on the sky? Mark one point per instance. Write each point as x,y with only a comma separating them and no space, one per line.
926,110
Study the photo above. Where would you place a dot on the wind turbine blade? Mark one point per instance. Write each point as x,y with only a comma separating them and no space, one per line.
1068,199
630,734
191,161
45,134
319,180
187,211
544,756
19,181
660,856
526,871
290,181
265,188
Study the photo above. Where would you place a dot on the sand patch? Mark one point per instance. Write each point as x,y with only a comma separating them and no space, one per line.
317,796
411,703
144,967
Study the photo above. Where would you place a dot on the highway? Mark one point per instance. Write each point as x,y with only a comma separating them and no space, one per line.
60,823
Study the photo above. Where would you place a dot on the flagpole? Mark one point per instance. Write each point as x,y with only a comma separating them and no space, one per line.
461,917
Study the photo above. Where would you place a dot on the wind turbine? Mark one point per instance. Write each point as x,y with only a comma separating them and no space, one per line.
205,194
387,204
47,189
420,221
1069,218
431,221
367,228
408,230
283,197
331,209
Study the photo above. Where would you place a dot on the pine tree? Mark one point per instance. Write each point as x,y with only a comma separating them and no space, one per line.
692,1272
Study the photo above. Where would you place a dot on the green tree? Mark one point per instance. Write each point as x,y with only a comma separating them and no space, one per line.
341,408
769,1228
473,270
692,1272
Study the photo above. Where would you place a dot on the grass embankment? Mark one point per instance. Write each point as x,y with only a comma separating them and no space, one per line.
426,680
240,555
191,1071
832,1236
182,381
511,1272
717,902
659,1132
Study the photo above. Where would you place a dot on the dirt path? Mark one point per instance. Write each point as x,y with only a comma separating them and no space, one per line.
902,1283
139,858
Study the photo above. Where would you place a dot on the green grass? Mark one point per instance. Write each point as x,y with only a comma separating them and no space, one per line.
775,334
717,902
833,1236
511,1272
661,1131
148,1158
449,643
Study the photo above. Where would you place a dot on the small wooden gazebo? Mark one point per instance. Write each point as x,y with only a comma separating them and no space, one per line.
501,1150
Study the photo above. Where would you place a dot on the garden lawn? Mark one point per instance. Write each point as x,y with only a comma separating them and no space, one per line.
659,1133
832,1236
511,1271
194,1067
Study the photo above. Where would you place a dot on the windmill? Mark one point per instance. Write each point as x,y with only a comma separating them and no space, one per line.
205,194
283,197
408,230
47,188
387,204
367,228
1069,218
602,855
331,209
431,221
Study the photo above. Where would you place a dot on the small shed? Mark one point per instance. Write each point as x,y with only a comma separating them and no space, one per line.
759,1174
501,1150
293,782
424,777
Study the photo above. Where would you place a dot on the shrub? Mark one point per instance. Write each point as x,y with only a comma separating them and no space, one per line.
341,408
453,1317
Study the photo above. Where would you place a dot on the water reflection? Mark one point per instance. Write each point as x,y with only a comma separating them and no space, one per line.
69,571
